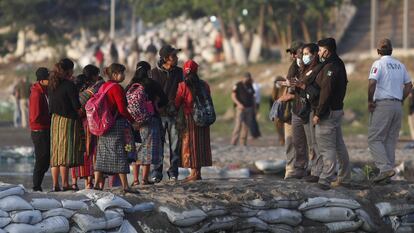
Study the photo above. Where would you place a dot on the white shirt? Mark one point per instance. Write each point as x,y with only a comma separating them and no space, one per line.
391,76
257,96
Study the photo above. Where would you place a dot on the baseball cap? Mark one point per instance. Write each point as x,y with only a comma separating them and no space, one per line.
42,73
294,46
167,50
190,66
384,45
329,43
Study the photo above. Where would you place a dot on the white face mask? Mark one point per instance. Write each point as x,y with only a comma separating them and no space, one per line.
298,61
277,85
307,59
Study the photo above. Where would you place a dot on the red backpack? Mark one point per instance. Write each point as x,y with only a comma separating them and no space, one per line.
139,106
98,114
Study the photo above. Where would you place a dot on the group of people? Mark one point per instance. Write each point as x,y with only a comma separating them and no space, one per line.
310,101
135,122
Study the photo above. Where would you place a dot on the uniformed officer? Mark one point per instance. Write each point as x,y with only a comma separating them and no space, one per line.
332,80
389,85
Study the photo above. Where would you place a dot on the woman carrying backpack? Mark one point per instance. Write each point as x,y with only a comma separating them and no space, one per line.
111,156
65,146
196,151
145,97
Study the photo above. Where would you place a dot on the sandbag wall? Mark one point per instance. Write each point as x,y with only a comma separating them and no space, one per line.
49,215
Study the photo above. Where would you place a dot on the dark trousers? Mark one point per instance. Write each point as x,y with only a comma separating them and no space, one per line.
41,141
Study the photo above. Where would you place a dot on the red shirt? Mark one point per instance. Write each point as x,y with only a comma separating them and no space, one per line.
185,98
39,117
117,100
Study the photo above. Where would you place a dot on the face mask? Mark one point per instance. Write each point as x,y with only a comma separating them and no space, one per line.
307,59
298,61
278,85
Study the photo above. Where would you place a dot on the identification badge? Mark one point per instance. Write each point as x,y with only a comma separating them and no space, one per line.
329,73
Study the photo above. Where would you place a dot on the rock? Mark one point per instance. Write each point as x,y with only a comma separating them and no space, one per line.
330,214
280,215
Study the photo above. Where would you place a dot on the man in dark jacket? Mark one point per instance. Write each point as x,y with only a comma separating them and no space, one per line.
332,80
168,75
39,121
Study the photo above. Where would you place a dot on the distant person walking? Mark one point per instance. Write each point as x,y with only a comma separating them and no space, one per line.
245,104
151,52
113,51
196,150
277,92
23,89
99,57
17,115
39,121
389,85
66,128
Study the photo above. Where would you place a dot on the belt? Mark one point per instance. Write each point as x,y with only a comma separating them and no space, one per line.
390,99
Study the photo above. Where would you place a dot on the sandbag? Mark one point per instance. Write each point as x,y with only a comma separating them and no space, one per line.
112,201
316,202
143,207
2,231
245,212
218,224
346,226
185,218
281,228
89,223
45,203
74,205
258,204
368,225
3,214
126,227
57,224
4,221
214,210
76,229
58,212
22,228
388,209
280,215
252,223
330,214
282,202
27,216
271,166
404,229
17,190
13,203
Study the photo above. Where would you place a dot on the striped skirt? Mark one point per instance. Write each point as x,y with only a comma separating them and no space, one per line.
195,150
151,148
111,154
66,148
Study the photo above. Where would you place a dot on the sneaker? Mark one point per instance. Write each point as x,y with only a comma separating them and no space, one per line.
384,175
311,179
156,179
323,186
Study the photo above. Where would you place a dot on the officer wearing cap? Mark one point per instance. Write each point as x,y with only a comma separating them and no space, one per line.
332,80
389,85
168,75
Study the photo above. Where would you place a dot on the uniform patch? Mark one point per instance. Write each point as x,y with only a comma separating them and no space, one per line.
374,70
329,73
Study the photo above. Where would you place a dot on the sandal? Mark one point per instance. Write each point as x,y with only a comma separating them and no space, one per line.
75,187
66,189
135,183
56,189
147,182
129,190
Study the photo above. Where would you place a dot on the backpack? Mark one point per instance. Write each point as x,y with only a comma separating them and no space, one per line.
98,113
203,109
139,106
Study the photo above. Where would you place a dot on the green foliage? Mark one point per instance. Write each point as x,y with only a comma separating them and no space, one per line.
368,172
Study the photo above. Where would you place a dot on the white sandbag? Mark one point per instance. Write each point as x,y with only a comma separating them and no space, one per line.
45,203
19,191
330,214
311,203
126,227
280,215
245,212
346,203
21,228
258,204
185,218
112,201
281,228
282,202
316,202
27,216
4,221
2,231
252,223
58,212
76,229
12,203
368,225
218,224
3,214
143,207
89,223
57,224
271,166
346,226
74,205
214,210
118,211
388,209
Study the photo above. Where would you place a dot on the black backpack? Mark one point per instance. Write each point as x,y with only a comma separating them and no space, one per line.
203,109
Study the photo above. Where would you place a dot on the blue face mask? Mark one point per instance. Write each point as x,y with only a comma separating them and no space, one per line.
307,59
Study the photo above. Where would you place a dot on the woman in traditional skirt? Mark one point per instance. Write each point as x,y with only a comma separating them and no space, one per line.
111,156
66,128
196,151
90,82
151,145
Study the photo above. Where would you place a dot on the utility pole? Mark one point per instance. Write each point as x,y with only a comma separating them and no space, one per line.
405,26
112,30
373,23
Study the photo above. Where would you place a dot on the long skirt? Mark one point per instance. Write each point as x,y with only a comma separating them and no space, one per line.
89,156
151,147
66,147
111,155
196,150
